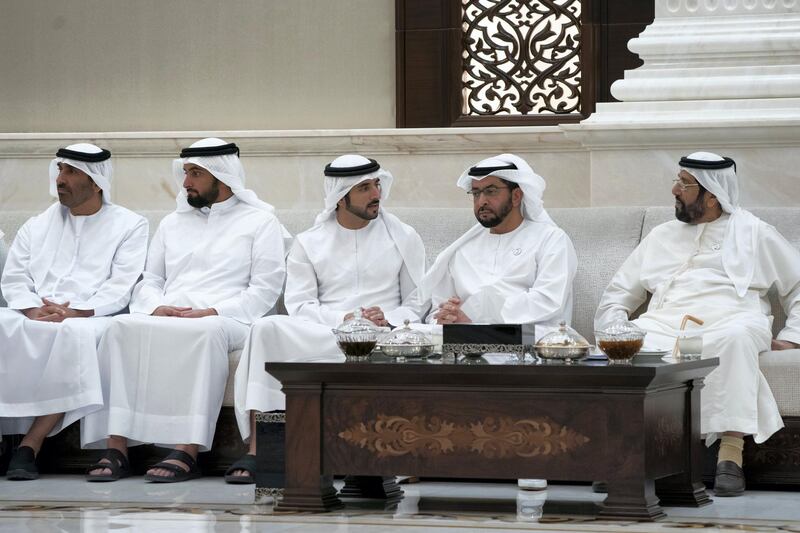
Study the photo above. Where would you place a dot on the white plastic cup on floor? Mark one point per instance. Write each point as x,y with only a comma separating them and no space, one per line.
530,505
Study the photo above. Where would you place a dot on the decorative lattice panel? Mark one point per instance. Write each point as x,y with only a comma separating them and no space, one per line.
521,57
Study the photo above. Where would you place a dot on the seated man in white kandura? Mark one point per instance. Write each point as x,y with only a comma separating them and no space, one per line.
67,270
355,256
515,266
215,266
715,262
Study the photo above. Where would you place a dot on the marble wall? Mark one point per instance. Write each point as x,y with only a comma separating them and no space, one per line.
285,167
583,165
145,78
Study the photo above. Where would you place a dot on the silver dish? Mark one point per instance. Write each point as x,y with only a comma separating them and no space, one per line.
406,350
562,353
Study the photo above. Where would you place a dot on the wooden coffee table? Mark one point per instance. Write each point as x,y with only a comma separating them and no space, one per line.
636,427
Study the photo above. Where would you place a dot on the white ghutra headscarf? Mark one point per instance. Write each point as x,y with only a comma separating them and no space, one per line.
347,171
91,159
512,168
344,173
717,175
221,159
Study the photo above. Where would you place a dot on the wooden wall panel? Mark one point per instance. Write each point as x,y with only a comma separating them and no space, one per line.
429,60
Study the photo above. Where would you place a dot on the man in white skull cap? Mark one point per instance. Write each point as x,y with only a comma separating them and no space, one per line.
68,269
215,265
514,266
356,256
716,262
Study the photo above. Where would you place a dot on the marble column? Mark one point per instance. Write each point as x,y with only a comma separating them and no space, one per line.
712,60
722,75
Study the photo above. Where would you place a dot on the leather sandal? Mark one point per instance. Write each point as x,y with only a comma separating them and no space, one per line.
179,473
117,463
246,463
22,466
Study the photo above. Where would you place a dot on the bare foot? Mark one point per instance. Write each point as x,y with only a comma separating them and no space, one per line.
101,471
162,472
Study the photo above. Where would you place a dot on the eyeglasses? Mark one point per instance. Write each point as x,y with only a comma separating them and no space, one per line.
489,192
683,185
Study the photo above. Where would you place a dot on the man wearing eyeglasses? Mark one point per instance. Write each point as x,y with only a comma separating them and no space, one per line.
514,266
715,262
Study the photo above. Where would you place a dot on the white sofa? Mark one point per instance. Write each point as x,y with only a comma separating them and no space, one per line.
603,238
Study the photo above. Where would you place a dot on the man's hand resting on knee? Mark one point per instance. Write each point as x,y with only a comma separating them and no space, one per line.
183,312
784,345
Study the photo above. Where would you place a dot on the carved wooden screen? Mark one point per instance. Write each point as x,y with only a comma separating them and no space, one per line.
511,62
521,57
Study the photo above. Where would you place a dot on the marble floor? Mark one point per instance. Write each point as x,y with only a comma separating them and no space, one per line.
69,504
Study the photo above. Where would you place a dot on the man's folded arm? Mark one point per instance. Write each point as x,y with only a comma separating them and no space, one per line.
267,274
19,289
785,260
128,263
148,294
546,300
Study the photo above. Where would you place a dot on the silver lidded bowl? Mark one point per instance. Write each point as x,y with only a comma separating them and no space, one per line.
357,336
406,342
564,344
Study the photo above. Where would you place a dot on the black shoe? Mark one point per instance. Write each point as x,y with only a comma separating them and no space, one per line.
729,480
22,465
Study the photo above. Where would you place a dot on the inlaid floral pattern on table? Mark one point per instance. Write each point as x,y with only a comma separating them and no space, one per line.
391,436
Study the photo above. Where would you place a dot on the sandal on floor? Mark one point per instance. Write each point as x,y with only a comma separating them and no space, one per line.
22,465
246,463
117,463
180,473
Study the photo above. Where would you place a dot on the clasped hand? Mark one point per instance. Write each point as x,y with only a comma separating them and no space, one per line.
183,312
450,312
373,314
53,312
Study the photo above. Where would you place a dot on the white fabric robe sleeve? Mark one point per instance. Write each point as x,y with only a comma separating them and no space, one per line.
783,265
115,293
412,307
625,293
440,293
3,254
19,289
542,303
302,293
149,292
267,273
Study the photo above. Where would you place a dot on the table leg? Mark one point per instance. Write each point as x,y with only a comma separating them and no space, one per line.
631,499
377,487
270,452
307,487
687,489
